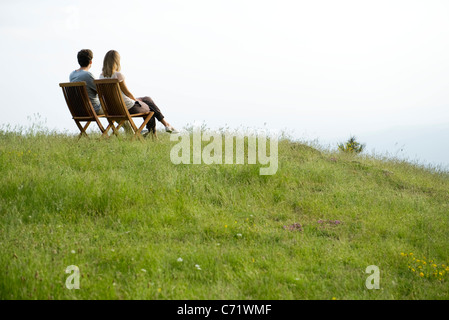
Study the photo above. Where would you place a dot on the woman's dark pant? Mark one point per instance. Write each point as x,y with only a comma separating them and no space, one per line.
139,108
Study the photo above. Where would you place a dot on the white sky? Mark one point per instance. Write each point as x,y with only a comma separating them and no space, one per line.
318,69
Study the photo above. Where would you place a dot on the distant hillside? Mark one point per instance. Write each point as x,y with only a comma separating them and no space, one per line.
425,144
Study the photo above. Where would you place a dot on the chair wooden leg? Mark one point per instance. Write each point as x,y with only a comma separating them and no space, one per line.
82,129
100,125
114,129
105,132
136,131
85,127
145,121
121,124
139,130
127,127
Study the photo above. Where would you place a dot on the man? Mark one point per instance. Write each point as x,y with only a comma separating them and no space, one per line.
85,57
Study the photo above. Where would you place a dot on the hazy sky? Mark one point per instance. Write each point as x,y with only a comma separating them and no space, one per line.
321,69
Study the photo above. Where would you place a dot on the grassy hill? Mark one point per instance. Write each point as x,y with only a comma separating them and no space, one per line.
139,227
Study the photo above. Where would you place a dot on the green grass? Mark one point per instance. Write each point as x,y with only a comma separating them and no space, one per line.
124,214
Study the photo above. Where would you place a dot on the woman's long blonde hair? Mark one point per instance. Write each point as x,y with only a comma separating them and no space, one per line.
111,63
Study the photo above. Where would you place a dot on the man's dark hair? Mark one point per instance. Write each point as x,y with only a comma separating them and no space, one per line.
84,57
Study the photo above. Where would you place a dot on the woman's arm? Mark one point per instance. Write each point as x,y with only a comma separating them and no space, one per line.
125,90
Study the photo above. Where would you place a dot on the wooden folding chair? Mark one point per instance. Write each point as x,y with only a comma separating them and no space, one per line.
75,94
115,109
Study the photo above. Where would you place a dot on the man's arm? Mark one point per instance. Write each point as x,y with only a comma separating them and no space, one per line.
91,83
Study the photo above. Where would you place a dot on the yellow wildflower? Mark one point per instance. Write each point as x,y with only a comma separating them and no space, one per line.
421,274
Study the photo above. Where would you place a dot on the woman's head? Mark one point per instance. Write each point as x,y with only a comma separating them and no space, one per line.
111,63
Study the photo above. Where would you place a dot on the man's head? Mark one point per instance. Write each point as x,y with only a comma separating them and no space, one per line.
85,57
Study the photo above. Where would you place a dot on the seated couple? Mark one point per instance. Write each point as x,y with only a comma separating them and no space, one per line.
111,70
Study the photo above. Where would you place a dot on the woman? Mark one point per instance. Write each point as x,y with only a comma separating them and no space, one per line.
111,70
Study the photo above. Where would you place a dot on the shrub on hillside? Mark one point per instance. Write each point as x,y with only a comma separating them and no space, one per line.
351,146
